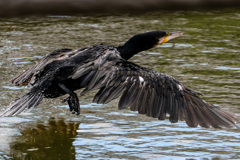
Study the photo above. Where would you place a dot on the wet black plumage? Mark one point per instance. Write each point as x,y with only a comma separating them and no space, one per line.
107,69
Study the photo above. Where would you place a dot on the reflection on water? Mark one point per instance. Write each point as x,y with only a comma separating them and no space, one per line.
206,59
51,140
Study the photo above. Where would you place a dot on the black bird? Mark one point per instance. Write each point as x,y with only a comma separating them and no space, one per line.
107,69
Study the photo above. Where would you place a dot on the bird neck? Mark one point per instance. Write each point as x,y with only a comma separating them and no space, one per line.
126,52
135,45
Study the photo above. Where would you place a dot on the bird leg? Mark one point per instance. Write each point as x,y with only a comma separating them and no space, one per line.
72,100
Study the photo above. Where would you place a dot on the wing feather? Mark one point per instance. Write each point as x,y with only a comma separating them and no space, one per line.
25,77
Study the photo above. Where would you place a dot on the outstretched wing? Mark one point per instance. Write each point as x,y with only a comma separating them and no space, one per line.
149,92
25,77
58,65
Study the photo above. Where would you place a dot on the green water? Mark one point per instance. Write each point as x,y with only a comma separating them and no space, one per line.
206,58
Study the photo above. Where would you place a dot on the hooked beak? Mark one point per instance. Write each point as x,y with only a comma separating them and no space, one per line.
169,36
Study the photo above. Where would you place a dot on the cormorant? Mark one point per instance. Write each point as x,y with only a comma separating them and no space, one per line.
107,69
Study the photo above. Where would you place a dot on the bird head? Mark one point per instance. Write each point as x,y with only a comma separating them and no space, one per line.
145,41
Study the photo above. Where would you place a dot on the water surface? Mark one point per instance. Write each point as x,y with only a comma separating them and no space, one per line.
206,58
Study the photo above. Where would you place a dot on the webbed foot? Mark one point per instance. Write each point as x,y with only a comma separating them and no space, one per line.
73,104
72,100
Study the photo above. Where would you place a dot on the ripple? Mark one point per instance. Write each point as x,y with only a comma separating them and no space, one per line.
13,87
227,68
155,53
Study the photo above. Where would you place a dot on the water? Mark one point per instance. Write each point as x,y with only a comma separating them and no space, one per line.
206,59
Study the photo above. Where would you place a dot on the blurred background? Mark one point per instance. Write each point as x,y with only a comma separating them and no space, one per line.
206,58
40,7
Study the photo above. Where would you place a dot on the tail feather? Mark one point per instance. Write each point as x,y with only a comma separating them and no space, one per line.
29,100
